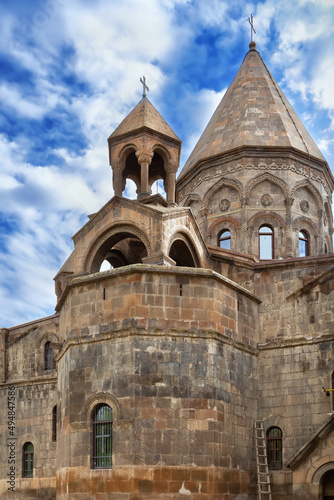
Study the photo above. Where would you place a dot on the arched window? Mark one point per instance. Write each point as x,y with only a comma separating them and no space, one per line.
266,242
224,239
275,448
102,437
54,424
48,356
28,460
303,244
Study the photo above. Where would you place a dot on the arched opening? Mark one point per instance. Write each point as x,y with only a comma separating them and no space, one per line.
132,172
157,171
180,252
28,460
130,190
275,448
266,242
49,360
102,420
327,485
304,243
54,423
121,249
158,187
224,239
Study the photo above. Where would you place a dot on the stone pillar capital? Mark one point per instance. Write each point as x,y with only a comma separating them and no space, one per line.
289,202
171,167
118,164
144,156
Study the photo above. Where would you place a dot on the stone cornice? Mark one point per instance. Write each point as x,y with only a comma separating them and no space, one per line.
157,333
217,166
48,379
78,280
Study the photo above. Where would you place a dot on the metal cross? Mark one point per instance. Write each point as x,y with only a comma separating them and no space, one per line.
251,22
145,87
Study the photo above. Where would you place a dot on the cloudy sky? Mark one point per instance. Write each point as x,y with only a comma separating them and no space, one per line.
70,73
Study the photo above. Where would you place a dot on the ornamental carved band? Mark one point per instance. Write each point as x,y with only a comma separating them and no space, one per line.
144,156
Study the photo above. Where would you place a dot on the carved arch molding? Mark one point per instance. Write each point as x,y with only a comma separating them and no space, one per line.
220,171
105,236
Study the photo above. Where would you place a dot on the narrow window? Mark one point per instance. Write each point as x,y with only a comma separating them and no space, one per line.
28,460
224,239
266,242
275,448
303,244
54,424
48,356
102,437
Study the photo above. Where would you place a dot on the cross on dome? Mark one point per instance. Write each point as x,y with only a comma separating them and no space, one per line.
145,87
253,30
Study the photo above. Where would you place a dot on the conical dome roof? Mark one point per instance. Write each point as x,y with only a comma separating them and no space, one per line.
253,112
144,115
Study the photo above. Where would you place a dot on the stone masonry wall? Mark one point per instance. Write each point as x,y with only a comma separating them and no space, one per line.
33,423
182,406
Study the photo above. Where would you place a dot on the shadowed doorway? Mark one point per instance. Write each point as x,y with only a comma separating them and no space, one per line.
327,482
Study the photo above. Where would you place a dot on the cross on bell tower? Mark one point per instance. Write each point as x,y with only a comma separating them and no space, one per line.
253,30
145,87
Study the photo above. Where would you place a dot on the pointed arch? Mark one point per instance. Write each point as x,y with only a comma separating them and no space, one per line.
237,185
305,183
267,177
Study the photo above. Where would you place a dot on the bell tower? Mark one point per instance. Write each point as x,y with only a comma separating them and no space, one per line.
144,148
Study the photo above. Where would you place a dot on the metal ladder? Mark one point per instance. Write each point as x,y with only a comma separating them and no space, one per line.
263,478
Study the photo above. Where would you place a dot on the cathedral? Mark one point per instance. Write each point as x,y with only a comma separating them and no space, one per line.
200,364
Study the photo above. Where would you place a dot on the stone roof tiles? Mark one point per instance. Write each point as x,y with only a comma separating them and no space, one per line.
144,115
253,112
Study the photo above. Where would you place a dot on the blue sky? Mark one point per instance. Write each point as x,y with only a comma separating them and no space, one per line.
70,73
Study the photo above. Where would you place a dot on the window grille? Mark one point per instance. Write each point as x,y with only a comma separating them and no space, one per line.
28,460
102,437
275,448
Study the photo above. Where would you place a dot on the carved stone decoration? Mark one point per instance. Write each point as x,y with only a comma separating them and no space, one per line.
304,205
224,205
266,200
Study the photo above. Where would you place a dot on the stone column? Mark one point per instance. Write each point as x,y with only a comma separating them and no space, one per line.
3,355
321,249
244,236
117,170
171,170
204,223
144,160
289,250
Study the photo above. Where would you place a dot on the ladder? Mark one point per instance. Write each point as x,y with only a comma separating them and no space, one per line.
263,478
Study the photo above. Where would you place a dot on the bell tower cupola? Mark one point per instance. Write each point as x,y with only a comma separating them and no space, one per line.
144,148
